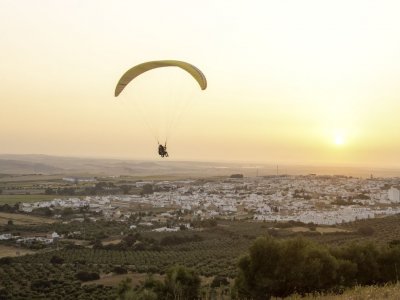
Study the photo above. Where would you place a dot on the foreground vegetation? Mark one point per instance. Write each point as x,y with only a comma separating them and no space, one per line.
278,268
272,267
388,292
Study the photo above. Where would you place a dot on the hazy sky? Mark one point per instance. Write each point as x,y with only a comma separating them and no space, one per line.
312,82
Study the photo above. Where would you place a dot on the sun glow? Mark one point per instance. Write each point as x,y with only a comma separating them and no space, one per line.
339,140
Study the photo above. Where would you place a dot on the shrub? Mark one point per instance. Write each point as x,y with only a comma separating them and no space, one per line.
218,281
5,261
87,276
366,230
56,260
120,270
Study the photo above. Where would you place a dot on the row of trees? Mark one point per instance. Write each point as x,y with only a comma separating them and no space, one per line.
100,188
54,280
278,268
9,208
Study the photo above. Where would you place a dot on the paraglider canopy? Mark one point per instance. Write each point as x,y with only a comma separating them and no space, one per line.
144,67
172,110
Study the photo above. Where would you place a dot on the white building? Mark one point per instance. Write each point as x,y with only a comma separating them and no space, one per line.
166,229
5,236
394,194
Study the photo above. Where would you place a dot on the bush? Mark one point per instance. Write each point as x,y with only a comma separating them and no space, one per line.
147,189
218,281
5,261
87,276
181,283
120,270
56,260
280,268
366,230
42,284
176,240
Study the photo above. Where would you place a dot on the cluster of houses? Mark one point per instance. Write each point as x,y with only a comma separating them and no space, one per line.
309,199
47,239
56,203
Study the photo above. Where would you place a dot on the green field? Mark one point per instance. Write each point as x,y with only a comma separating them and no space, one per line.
12,199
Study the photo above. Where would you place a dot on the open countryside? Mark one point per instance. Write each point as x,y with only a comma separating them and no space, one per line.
199,150
113,231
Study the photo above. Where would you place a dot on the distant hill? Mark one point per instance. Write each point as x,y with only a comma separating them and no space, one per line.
47,164
26,167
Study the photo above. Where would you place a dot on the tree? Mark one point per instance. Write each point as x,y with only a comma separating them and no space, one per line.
280,268
87,276
67,211
389,262
260,264
123,287
97,244
147,189
8,208
366,230
142,295
125,189
56,260
151,289
236,176
66,191
5,261
366,259
181,283
129,240
120,270
147,291
50,191
347,271
43,211
219,281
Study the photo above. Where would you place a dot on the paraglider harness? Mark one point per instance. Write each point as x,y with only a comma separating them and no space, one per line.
162,150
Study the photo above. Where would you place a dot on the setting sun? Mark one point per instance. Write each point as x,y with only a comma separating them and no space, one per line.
339,140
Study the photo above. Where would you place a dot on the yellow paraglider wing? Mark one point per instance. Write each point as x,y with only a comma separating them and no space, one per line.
140,69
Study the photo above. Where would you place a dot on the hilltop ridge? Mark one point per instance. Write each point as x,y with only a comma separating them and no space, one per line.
49,164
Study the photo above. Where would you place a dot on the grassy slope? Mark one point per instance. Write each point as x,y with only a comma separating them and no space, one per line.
390,292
